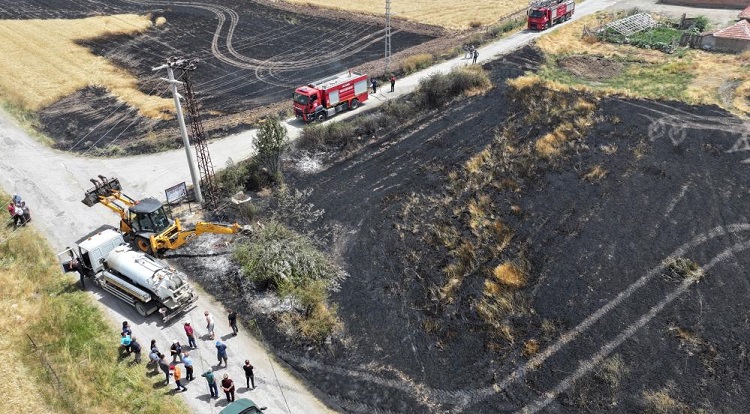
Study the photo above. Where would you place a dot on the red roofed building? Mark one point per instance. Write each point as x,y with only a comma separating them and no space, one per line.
732,39
745,14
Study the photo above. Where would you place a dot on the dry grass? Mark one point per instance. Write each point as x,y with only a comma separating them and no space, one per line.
452,14
660,402
510,275
416,62
44,63
71,335
708,71
595,174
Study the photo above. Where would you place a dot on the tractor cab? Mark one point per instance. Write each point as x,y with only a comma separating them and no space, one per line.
148,216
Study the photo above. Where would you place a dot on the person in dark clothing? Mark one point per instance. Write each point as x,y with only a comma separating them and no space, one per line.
212,388
476,55
175,350
374,84
190,335
126,328
74,265
135,347
232,316
221,353
164,366
228,386
393,82
249,376
153,356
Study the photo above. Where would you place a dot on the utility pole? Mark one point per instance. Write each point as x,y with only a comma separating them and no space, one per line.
181,121
387,36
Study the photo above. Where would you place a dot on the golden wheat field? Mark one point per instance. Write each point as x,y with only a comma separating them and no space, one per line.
42,62
451,14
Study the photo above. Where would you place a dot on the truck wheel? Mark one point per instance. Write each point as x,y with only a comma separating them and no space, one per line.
140,307
320,117
143,244
354,104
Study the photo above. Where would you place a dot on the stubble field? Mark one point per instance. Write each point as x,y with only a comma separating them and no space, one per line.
105,98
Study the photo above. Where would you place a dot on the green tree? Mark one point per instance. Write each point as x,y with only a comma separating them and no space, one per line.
271,142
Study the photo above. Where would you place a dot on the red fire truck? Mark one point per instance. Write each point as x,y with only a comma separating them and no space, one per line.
546,13
328,96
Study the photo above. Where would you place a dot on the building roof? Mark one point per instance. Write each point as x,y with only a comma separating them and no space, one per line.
739,30
745,14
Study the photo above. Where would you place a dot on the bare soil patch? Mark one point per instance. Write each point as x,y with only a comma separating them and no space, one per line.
591,67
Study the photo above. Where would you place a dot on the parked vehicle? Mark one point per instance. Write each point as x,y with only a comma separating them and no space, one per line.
544,14
146,222
147,284
242,406
327,97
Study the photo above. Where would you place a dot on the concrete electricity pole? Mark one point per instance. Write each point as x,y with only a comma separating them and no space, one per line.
183,130
387,36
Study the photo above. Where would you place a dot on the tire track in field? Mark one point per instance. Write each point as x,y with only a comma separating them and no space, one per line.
461,400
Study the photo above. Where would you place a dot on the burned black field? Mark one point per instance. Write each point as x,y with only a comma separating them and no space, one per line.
250,55
630,244
609,317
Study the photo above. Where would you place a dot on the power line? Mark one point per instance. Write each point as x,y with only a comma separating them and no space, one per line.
387,35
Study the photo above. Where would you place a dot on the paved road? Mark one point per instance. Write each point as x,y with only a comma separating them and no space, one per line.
53,184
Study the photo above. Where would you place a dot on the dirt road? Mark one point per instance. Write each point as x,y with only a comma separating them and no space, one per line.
53,183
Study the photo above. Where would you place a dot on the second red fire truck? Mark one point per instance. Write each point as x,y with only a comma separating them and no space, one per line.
326,97
547,13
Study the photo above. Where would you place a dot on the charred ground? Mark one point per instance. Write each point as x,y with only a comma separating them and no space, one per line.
272,52
604,318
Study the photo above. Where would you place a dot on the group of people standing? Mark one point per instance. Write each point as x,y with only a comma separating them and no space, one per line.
19,211
179,355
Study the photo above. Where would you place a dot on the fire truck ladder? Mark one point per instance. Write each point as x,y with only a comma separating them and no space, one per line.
535,4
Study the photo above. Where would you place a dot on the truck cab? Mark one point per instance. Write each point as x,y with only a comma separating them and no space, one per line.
326,97
92,250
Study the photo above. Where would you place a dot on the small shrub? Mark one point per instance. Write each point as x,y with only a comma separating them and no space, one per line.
415,63
439,89
701,23
685,268
475,24
233,178
334,135
530,348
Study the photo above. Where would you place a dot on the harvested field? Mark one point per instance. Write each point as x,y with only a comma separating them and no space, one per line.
487,277
251,55
452,14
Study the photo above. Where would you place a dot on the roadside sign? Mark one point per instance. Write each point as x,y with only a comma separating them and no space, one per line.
176,193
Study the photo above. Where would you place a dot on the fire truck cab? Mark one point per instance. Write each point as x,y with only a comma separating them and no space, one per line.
326,97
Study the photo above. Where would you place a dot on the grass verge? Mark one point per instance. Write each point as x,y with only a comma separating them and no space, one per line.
73,367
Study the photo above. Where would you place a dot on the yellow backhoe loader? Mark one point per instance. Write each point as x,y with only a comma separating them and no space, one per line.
145,220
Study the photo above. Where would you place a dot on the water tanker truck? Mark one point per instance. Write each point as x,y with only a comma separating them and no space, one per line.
147,284
544,14
326,97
